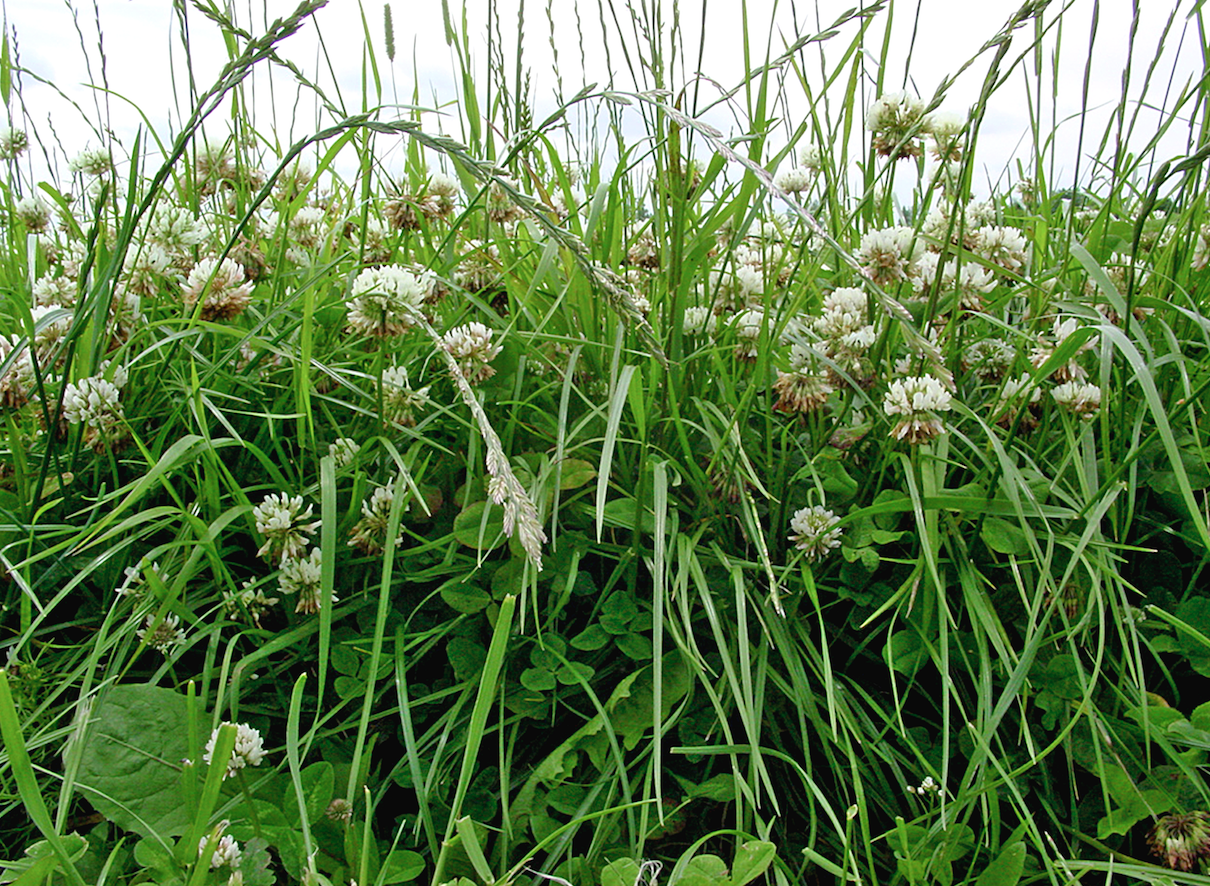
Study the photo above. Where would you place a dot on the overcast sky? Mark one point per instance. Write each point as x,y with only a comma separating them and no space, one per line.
144,59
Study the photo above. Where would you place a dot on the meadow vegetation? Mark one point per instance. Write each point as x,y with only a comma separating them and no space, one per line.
537,506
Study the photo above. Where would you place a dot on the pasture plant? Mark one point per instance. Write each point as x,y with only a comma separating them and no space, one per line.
552,503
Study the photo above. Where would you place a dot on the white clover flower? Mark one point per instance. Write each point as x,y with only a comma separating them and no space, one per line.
222,288
370,532
163,634
1201,249
893,121
989,358
92,161
479,268
248,599
1006,247
747,325
844,310
443,185
249,749
51,323
306,227
33,213
13,143
386,301
18,379
174,229
889,255
471,346
301,575
400,401
147,268
801,391
917,400
815,531
134,582
1063,329
55,292
283,522
226,851
1081,398
699,321
945,124
91,401
794,180
343,451
1013,405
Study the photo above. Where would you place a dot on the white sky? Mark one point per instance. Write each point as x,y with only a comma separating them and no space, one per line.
144,58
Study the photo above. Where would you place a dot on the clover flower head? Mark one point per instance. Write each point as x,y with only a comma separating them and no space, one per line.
1003,246
249,749
18,379
1201,249
163,634
889,255
400,401
1081,398
93,402
472,348
699,321
801,391
13,143
343,451
1181,840
385,301
894,120
794,180
175,229
989,358
221,287
32,213
250,600
370,532
282,520
926,788
479,268
815,531
306,227
226,851
301,575
92,161
917,400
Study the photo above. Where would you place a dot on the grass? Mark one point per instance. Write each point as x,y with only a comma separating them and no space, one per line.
609,492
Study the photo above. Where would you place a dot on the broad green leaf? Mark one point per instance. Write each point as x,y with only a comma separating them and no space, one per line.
1004,537
464,597
480,527
720,788
1006,869
575,472
466,657
538,679
401,866
130,765
704,870
622,872
319,781
751,860
592,637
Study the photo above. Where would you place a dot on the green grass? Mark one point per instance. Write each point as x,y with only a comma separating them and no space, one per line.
701,522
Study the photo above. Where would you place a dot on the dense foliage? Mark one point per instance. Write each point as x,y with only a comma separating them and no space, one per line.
702,510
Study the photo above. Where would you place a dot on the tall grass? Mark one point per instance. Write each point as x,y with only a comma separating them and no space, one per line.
609,491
